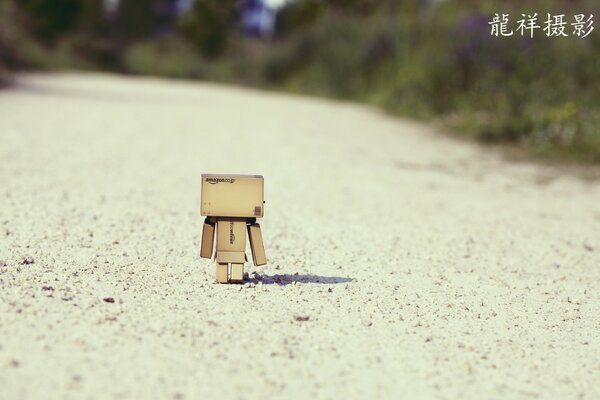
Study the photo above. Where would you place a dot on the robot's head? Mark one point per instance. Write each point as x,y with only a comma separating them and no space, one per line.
225,195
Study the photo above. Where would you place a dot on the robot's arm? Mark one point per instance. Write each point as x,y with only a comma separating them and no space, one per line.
256,243
208,238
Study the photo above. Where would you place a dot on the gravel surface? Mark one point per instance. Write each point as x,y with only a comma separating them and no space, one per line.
402,263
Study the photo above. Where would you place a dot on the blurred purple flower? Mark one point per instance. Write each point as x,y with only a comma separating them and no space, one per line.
474,23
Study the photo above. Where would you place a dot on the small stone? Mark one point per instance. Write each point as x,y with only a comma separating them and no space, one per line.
302,318
47,288
26,260
108,300
573,300
2,263
367,323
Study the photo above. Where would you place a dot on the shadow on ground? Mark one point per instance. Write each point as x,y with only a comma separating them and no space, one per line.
287,279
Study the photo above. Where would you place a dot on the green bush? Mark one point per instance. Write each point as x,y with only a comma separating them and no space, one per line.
165,57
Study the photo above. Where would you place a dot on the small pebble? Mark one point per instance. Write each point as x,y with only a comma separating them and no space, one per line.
2,263
26,260
108,300
302,317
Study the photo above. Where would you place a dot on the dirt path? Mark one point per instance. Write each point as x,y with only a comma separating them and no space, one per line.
427,267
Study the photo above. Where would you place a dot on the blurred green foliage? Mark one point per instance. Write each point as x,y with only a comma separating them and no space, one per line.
164,57
434,60
8,38
47,20
440,62
209,24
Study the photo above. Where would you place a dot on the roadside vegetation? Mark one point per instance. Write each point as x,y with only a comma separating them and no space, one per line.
434,61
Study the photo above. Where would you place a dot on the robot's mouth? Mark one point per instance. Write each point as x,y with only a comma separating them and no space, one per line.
231,234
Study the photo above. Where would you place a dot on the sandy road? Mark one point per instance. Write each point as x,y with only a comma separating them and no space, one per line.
428,268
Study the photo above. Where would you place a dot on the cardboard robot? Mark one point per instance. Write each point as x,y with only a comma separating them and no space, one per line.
231,204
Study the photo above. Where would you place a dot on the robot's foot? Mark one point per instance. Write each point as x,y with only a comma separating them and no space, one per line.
222,273
237,273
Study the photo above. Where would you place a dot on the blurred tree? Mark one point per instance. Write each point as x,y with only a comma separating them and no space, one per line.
47,20
8,33
96,38
208,25
298,14
136,19
93,19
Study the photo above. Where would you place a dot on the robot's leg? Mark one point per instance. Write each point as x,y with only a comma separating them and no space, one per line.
237,272
222,273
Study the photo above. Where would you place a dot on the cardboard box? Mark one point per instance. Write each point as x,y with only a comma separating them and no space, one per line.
231,234
256,245
232,196
222,273
237,273
208,236
226,257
